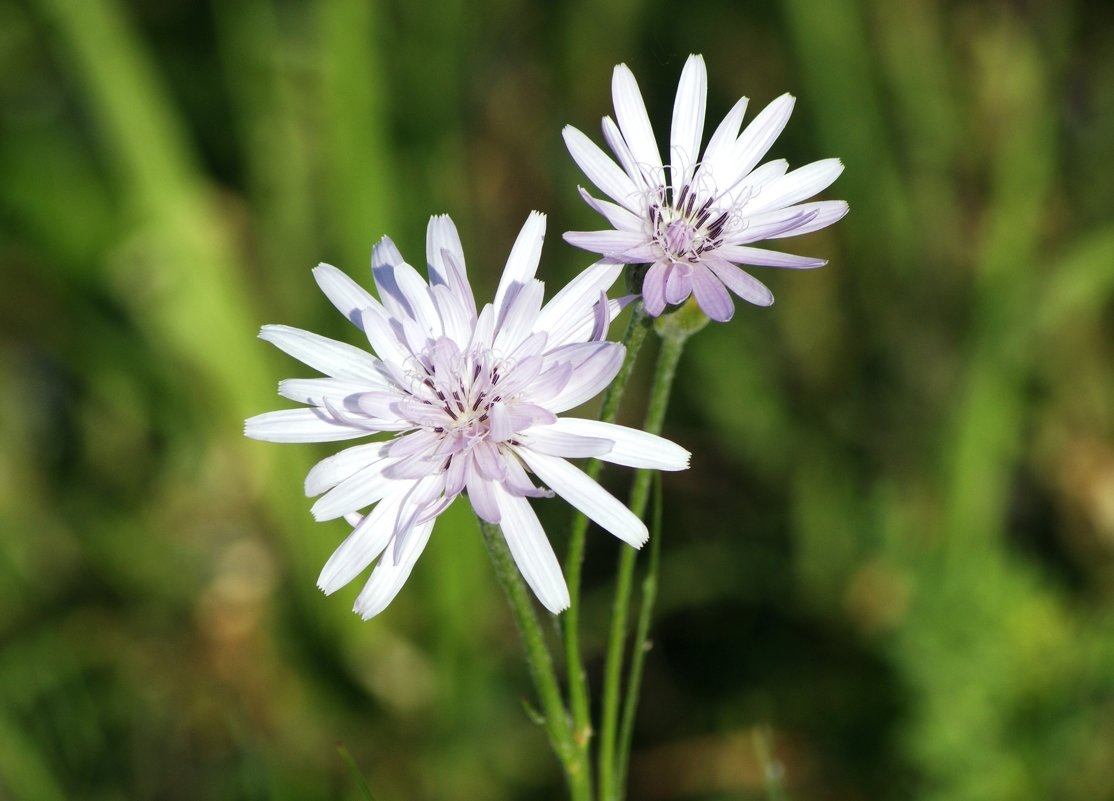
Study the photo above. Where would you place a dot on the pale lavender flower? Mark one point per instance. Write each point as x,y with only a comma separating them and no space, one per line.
468,402
693,220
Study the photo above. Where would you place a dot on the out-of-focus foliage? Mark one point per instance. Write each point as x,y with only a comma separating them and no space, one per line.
895,548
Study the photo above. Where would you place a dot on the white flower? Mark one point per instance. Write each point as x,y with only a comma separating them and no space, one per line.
468,402
693,220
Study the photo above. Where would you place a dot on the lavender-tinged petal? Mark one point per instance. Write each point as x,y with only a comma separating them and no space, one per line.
387,578
517,482
738,254
678,283
800,184
770,224
499,420
531,551
601,170
299,425
711,296
629,446
456,473
481,494
742,284
313,390
417,443
603,319
344,293
653,289
688,120
368,539
522,263
630,113
583,493
606,243
488,461
413,467
549,382
384,257
356,492
548,440
341,466
325,355
826,213
590,375
523,415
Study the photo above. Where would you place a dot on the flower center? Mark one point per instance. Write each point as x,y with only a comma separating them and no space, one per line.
688,226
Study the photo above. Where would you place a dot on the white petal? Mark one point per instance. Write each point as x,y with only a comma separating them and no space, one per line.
348,296
445,258
384,340
522,263
640,174
299,425
722,142
481,494
554,441
384,257
595,365
759,136
368,539
363,488
416,292
738,254
653,288
336,359
314,390
532,552
329,472
578,489
388,576
455,318
630,112
793,187
631,447
620,218
573,304
521,314
688,120
771,225
601,170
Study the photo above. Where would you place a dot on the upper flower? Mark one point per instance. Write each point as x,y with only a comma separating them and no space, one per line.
692,218
469,402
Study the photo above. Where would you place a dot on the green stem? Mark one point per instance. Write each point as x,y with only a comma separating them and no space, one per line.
556,719
640,645
578,682
672,346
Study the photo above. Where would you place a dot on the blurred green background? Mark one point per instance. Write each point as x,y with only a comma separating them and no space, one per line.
894,551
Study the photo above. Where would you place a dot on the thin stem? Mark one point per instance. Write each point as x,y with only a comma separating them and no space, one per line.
578,682
556,719
672,347
640,645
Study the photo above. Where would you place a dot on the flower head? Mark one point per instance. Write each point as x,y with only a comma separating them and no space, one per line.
462,401
693,220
